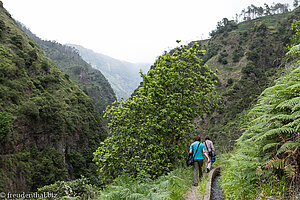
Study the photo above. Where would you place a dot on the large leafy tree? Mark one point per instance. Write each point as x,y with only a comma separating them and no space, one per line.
149,132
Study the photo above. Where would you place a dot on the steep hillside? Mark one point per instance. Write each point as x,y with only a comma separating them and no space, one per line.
249,56
123,76
48,125
69,61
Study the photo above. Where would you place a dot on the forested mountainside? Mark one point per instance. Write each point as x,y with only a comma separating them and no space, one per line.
123,76
49,126
248,56
69,61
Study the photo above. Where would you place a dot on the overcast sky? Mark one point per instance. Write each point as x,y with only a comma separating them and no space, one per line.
131,30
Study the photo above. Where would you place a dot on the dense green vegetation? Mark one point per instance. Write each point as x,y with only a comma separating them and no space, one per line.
149,131
266,162
252,56
50,130
171,186
90,80
49,126
249,56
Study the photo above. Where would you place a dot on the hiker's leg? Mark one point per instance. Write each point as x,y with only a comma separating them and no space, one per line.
208,165
196,169
200,168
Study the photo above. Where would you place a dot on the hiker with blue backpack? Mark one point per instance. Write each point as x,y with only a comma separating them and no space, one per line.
197,149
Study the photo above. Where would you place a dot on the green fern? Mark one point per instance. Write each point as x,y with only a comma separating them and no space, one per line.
135,196
294,50
290,103
270,145
295,88
288,146
282,117
293,124
296,107
275,132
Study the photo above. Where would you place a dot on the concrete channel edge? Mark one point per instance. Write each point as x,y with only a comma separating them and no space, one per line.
213,173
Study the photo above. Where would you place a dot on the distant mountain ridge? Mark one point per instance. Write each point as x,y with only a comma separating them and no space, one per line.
91,80
123,76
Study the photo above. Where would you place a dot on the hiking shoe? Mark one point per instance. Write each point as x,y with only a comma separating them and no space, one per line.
195,184
207,170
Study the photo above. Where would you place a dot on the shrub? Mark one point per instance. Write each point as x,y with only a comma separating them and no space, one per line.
5,125
222,56
80,188
17,40
237,54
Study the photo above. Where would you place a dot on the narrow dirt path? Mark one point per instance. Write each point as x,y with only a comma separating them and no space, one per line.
192,194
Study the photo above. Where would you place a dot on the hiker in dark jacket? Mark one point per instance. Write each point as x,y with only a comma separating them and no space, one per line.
209,148
197,150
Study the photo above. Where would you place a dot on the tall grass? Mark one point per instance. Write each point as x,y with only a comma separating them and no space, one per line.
172,186
202,186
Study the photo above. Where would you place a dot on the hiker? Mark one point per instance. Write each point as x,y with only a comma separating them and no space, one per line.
209,148
197,150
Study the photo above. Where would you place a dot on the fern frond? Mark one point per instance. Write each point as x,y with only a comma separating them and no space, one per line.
261,109
137,196
297,129
289,103
158,196
270,145
258,136
294,50
274,124
276,131
270,91
282,117
293,124
288,146
275,163
294,88
258,126
295,71
296,114
164,184
290,171
260,119
296,108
